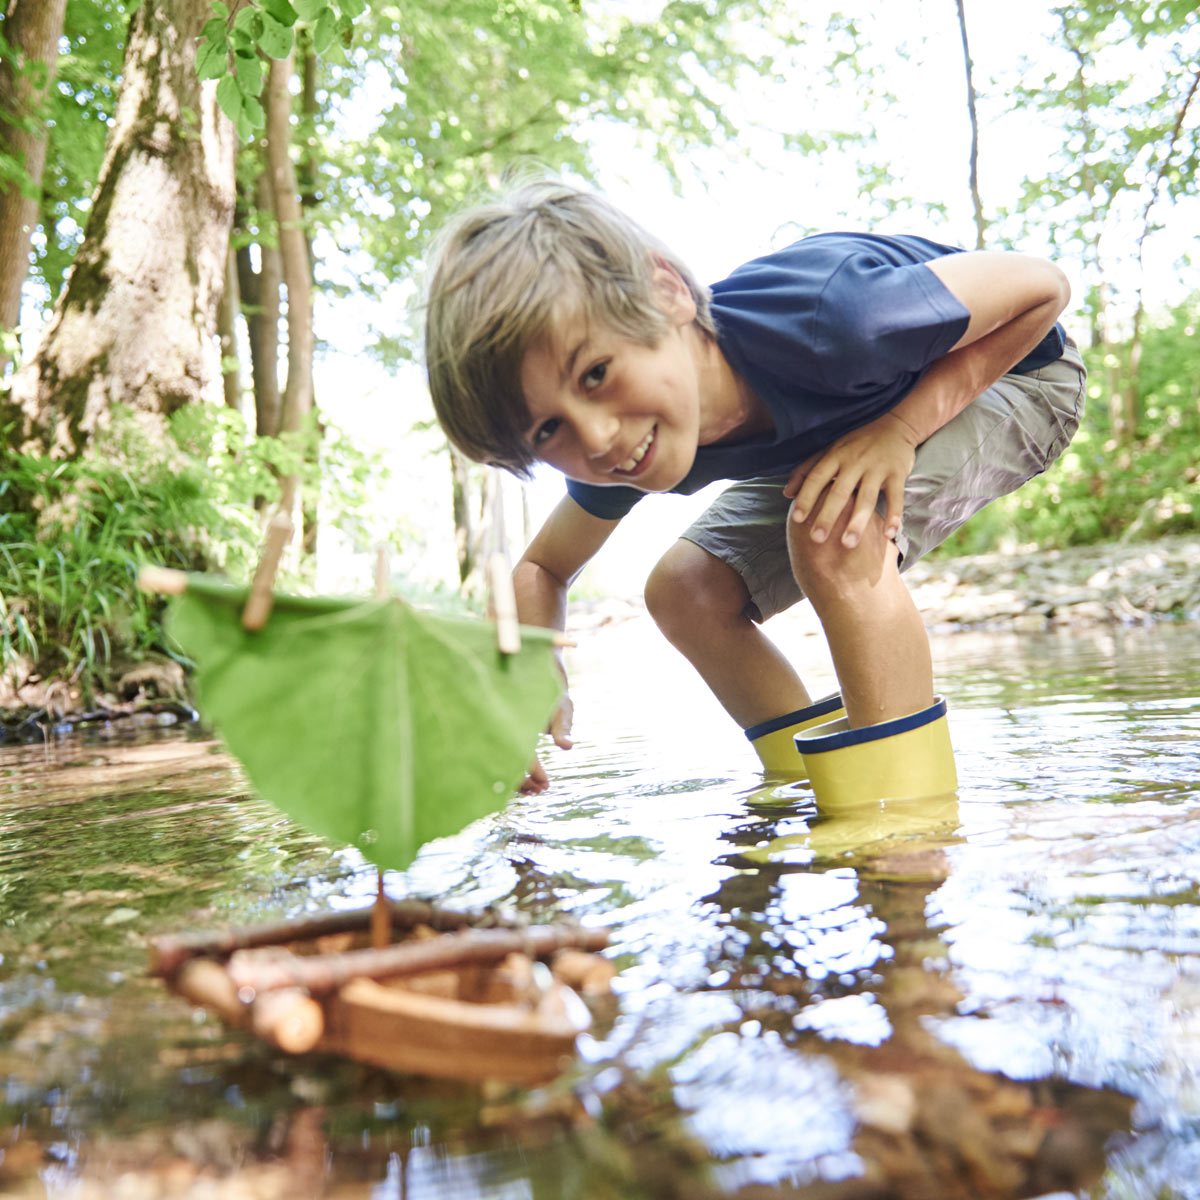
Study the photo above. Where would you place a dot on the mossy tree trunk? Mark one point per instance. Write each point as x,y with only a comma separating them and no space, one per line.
135,323
32,29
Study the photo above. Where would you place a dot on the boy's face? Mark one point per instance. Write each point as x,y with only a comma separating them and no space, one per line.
607,410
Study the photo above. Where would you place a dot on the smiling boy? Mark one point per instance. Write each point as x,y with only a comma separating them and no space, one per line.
867,393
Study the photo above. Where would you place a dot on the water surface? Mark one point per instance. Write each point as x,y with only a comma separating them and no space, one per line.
991,995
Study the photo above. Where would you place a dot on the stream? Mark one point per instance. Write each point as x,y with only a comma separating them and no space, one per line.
989,995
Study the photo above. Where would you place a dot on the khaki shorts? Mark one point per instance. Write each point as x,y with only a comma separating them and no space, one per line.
1002,439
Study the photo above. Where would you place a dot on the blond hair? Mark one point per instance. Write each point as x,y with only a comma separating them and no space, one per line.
504,275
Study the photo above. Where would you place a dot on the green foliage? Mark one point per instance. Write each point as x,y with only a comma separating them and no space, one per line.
12,169
1120,83
1098,490
230,48
81,106
73,534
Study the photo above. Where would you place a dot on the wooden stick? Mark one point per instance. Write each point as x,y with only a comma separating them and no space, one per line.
262,586
320,974
381,917
504,603
169,952
165,580
206,983
170,582
502,599
288,1018
383,573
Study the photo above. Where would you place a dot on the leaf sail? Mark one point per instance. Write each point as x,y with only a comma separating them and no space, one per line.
367,721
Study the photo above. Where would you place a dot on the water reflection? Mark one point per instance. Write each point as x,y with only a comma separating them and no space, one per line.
966,1001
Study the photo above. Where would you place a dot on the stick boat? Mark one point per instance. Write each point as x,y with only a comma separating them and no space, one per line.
460,995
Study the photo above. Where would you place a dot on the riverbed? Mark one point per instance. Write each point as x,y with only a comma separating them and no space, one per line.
996,994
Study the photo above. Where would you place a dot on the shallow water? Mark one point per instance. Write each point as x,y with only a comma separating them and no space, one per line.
997,995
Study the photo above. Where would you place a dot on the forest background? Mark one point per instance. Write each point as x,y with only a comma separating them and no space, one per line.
213,217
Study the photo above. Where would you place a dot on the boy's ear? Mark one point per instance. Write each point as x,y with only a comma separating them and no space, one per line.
673,295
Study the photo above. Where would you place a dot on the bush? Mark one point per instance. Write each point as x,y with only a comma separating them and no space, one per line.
73,534
1099,490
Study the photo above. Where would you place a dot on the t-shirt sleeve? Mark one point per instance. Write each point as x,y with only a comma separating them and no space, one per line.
609,503
876,322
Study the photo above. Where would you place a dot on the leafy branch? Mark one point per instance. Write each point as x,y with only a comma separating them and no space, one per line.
232,46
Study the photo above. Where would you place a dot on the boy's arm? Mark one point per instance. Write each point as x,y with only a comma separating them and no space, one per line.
551,562
1013,301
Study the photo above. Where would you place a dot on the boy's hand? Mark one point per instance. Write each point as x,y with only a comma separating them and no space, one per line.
559,728
876,457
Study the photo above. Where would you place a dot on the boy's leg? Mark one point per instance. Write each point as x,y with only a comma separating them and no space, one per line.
876,636
1010,433
702,606
708,595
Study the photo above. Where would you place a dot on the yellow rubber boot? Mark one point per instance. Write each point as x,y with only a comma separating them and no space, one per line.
774,741
906,758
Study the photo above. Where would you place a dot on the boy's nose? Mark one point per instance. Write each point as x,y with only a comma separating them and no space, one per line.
597,432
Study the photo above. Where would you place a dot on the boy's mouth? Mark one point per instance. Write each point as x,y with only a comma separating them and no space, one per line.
639,459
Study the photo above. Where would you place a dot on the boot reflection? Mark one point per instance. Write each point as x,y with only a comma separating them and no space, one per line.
869,830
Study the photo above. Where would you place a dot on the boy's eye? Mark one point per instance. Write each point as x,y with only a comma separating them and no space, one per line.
545,431
593,377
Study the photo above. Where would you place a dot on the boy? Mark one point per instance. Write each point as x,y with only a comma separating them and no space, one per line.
868,393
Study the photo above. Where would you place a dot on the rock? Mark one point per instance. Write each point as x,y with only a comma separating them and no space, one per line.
1030,590
1030,622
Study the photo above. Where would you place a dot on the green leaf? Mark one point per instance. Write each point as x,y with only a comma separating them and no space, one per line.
245,128
324,31
311,10
369,722
280,10
220,9
248,68
212,59
275,39
353,8
249,21
229,97
252,110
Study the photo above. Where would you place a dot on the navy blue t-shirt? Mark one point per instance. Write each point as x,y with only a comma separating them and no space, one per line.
830,333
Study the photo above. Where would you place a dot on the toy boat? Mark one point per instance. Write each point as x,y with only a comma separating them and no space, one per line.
460,995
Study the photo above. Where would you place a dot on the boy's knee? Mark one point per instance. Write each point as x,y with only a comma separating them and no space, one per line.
688,585
830,569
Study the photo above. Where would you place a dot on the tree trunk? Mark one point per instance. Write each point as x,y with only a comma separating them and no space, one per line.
297,276
308,123
293,248
227,315
135,322
973,117
261,304
32,29
307,185
464,523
